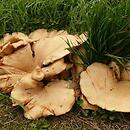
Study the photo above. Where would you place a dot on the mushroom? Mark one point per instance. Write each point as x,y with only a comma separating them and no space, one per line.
15,65
37,98
55,68
17,36
56,98
51,70
101,87
21,59
56,48
10,43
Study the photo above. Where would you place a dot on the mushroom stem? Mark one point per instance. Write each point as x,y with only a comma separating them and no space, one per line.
37,74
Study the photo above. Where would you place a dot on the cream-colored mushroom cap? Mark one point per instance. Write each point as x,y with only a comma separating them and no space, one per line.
56,48
100,86
56,98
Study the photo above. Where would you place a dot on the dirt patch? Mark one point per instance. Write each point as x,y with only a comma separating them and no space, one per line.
11,118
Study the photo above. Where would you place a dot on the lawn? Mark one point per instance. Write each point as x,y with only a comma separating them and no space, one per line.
107,23
28,15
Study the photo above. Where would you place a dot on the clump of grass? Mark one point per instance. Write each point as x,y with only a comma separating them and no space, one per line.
108,29
40,124
3,97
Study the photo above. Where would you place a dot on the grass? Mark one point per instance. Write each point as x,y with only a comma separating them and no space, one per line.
28,15
108,29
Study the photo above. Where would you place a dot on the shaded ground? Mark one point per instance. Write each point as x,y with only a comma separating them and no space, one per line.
11,118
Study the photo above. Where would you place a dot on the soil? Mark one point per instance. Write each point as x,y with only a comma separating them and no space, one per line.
11,118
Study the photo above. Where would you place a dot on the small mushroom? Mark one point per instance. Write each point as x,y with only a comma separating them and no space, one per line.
101,87
15,37
38,34
51,70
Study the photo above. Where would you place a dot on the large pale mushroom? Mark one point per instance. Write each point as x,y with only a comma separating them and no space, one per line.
101,87
13,66
21,60
55,98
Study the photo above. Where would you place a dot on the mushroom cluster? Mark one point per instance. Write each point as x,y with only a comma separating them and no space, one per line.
30,70
34,70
